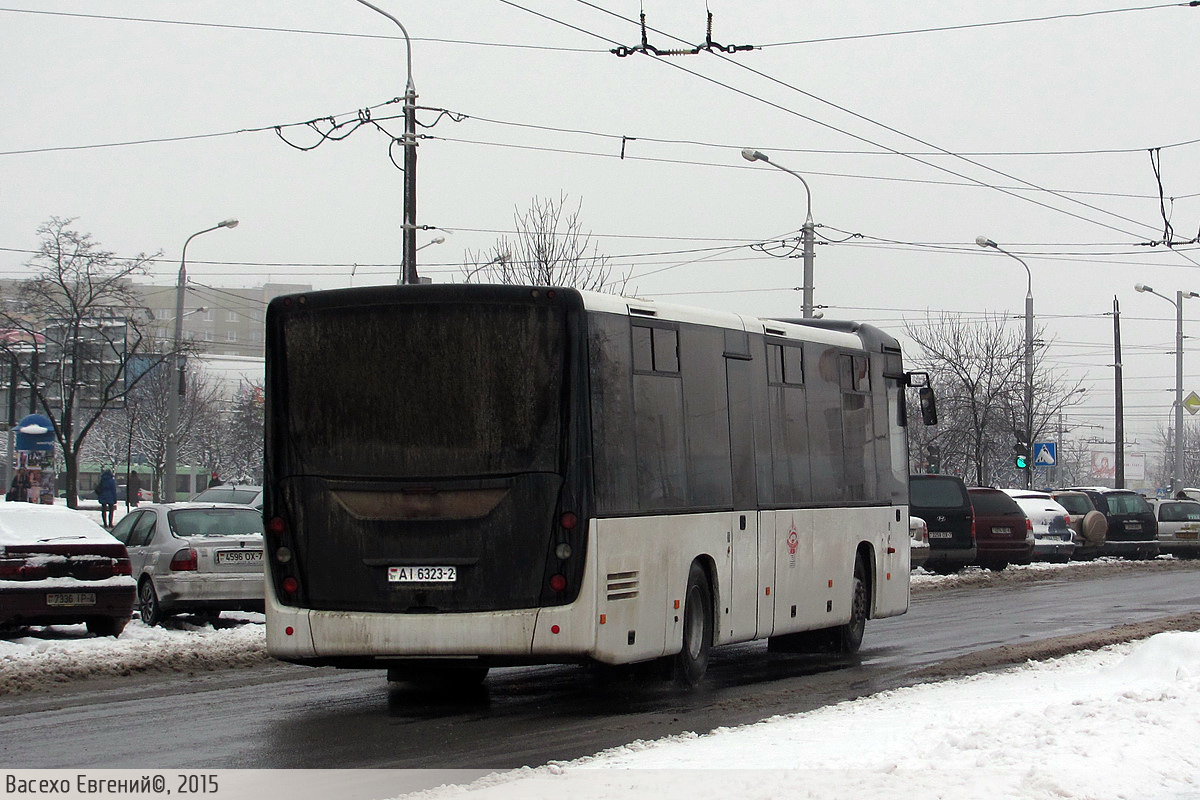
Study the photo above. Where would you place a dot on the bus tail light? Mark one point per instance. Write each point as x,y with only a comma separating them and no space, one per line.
290,586
558,583
568,520
276,526
185,560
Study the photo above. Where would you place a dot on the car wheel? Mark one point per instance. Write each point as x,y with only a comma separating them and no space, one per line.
148,605
691,662
107,626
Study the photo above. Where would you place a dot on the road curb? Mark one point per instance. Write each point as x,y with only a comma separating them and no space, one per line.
1008,655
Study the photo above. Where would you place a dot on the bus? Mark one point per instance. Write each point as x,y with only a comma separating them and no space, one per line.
466,476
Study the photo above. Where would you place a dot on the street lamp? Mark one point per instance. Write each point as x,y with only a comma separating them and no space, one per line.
806,232
985,242
1177,471
438,240
174,392
410,158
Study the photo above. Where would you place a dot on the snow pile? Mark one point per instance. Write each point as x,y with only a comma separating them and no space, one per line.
1116,723
68,653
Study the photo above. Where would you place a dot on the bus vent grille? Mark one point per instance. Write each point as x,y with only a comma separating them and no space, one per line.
622,585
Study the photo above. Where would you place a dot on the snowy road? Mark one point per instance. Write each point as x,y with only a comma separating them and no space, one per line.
279,716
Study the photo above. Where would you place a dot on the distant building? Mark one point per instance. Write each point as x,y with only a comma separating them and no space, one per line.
231,322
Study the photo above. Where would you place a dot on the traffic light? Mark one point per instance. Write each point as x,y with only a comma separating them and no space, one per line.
933,457
1021,459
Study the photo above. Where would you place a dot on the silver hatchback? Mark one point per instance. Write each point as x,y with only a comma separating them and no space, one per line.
194,558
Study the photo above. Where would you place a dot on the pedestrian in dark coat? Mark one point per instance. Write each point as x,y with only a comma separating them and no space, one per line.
133,488
106,493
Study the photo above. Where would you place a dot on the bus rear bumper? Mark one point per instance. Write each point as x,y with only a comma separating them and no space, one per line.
537,635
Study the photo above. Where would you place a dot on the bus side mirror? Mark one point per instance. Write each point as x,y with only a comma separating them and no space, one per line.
928,405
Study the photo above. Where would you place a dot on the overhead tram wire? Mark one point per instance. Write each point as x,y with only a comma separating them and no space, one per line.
894,179
973,25
868,120
306,31
550,48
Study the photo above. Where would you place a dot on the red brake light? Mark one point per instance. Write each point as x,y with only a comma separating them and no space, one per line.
276,526
121,566
290,585
185,560
1028,524
558,583
568,520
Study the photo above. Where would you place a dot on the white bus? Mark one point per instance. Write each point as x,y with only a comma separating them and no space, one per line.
460,477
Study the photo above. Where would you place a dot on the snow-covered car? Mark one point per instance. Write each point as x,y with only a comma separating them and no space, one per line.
200,558
918,548
1178,527
58,567
241,494
1053,539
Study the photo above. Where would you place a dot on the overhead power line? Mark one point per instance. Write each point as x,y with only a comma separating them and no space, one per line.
863,118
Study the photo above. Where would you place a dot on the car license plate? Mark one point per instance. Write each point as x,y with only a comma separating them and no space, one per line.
71,599
941,535
422,574
239,556
1133,526
1002,531
1186,535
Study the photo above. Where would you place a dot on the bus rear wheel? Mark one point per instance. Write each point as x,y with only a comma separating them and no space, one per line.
848,638
691,662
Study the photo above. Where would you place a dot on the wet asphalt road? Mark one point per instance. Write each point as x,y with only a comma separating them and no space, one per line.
282,716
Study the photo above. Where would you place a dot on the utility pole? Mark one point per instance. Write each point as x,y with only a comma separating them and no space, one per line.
410,157
1119,479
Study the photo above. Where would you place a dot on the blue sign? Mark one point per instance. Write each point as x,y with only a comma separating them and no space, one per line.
1045,454
35,432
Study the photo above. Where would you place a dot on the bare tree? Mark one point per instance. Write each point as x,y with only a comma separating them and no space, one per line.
977,370
138,431
550,248
71,330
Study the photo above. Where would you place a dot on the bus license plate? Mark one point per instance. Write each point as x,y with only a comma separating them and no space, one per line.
239,556
71,599
422,574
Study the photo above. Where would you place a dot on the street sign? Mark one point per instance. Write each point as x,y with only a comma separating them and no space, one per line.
1192,403
1045,454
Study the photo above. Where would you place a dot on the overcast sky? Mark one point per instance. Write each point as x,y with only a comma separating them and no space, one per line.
547,106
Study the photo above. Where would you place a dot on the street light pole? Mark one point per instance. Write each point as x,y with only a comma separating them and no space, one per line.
1177,469
174,392
807,232
410,158
983,241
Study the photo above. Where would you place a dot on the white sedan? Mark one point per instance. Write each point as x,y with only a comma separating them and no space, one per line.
201,558
1053,539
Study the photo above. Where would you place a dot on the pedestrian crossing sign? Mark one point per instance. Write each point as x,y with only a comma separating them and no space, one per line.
1045,454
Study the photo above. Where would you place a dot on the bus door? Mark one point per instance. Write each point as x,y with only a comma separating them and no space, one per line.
742,619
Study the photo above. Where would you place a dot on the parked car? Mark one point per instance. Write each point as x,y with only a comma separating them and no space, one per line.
1003,533
194,557
942,501
1089,526
1178,527
918,549
140,494
58,567
1132,527
1053,539
242,494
